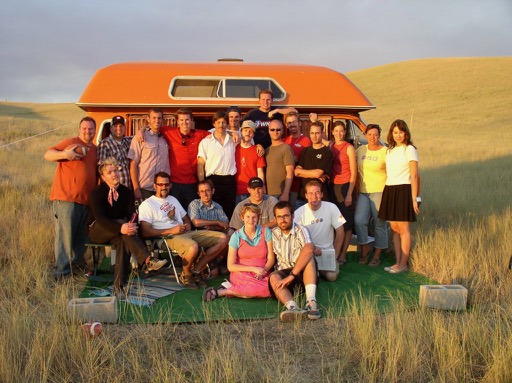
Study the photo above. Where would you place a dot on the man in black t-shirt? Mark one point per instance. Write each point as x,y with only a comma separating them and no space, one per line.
263,115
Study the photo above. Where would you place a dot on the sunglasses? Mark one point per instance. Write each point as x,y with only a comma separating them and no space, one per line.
163,184
275,130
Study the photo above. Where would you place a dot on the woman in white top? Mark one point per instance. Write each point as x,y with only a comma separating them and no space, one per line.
399,203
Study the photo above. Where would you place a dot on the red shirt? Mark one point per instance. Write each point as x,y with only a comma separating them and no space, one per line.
341,163
247,164
297,145
183,153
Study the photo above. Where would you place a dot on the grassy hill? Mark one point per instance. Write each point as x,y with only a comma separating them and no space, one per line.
448,103
459,112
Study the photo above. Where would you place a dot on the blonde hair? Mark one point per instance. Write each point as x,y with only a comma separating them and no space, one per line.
250,207
111,161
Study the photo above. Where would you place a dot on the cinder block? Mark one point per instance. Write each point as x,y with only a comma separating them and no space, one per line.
444,297
101,309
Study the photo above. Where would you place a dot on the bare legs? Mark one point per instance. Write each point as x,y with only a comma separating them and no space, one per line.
284,294
401,243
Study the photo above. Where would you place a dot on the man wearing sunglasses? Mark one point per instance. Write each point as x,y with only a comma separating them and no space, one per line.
163,215
280,164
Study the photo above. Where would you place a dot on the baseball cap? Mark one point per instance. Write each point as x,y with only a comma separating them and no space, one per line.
249,124
255,182
118,120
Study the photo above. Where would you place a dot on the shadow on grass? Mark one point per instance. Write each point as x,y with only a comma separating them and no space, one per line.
465,191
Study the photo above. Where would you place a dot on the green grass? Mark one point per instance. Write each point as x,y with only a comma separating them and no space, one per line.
459,110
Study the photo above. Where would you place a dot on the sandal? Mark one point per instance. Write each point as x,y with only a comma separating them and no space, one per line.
341,262
374,262
210,294
363,259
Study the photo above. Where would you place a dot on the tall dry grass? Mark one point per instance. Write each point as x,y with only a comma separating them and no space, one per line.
462,236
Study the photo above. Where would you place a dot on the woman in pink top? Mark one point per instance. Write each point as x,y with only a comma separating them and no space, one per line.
344,173
250,260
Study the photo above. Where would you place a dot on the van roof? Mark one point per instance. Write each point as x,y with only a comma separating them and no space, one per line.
148,84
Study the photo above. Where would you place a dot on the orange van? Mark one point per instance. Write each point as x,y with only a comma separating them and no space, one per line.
131,89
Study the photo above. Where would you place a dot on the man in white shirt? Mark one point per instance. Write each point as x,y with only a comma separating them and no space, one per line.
162,215
216,161
325,224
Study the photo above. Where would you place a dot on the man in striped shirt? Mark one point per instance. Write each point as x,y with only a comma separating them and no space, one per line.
295,265
116,146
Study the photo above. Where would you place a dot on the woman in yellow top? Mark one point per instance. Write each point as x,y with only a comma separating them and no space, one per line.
371,167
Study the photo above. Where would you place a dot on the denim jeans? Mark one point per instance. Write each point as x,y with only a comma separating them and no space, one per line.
70,235
367,207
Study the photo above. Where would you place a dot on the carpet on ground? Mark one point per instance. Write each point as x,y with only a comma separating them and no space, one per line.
159,299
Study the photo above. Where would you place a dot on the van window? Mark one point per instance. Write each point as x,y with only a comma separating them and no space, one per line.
237,88
251,88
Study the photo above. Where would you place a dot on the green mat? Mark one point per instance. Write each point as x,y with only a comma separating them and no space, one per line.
355,283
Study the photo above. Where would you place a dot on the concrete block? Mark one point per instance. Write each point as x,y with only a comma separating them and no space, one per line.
101,309
444,297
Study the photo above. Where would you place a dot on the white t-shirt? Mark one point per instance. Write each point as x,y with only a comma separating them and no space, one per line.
154,210
397,164
321,223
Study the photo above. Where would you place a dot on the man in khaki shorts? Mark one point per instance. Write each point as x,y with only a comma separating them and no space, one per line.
162,215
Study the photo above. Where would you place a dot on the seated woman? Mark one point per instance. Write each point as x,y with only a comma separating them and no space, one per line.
250,260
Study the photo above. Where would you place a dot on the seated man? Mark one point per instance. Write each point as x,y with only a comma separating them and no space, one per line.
113,208
162,215
207,214
204,212
256,197
324,222
295,266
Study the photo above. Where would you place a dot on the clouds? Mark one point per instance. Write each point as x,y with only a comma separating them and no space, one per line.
49,50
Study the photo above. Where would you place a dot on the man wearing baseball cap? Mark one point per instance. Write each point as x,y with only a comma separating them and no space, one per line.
116,146
257,198
248,163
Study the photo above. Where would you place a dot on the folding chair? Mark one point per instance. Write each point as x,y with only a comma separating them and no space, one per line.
154,245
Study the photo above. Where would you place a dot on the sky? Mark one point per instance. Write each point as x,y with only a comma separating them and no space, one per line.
50,49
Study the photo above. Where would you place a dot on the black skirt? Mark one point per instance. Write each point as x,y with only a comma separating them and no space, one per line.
396,204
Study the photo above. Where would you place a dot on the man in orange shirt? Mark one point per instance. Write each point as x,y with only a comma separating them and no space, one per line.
75,178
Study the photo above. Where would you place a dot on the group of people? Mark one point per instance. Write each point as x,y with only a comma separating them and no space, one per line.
266,208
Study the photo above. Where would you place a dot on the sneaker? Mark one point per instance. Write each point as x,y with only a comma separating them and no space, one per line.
312,310
292,315
199,279
155,264
188,281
